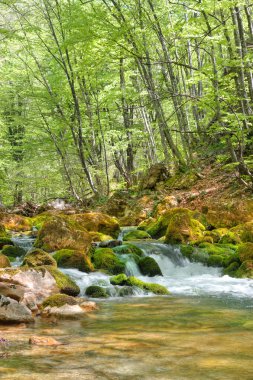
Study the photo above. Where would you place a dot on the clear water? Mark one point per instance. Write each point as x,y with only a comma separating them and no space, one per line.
168,338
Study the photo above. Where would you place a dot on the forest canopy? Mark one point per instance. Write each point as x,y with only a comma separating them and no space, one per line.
94,92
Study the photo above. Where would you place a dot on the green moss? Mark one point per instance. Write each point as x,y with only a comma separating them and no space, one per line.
4,261
128,249
231,269
13,251
199,256
230,259
230,238
215,261
106,259
5,241
154,288
67,258
182,228
96,292
149,267
38,257
245,251
245,270
136,235
216,249
244,231
58,300
186,250
120,279
65,284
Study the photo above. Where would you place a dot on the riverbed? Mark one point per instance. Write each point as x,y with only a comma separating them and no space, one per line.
165,338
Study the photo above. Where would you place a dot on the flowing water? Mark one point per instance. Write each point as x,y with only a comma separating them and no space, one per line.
203,330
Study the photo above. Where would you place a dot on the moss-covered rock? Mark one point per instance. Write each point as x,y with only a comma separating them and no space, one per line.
65,284
149,267
98,236
230,238
244,231
128,249
96,222
215,261
5,241
136,235
150,287
182,228
106,259
58,233
96,292
38,257
15,222
120,279
245,270
67,258
186,250
13,251
4,261
58,300
231,269
245,251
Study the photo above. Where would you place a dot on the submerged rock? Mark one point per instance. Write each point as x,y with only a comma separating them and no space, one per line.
14,312
44,341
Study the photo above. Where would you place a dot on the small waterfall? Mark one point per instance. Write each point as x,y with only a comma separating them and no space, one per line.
132,268
25,242
124,231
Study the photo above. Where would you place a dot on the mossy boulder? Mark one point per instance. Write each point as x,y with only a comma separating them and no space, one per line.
230,238
120,279
58,300
98,236
187,250
15,222
245,251
149,267
231,269
13,251
106,259
215,261
5,241
65,284
244,232
245,270
216,234
96,222
38,257
58,233
67,258
96,292
150,287
128,249
136,235
183,228
4,261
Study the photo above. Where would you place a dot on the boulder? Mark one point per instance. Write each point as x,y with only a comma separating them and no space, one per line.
136,235
58,233
66,306
96,292
67,258
5,241
13,312
14,291
155,174
4,261
15,222
13,251
38,257
149,267
106,259
37,285
110,244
